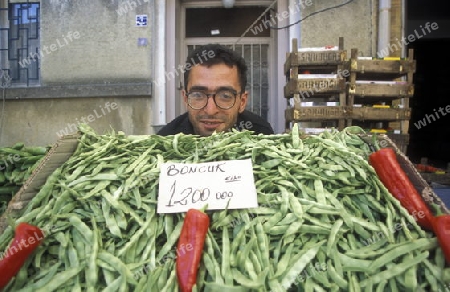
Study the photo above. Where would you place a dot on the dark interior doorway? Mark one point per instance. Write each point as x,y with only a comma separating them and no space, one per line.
430,120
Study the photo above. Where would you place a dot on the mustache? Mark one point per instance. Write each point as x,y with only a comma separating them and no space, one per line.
210,117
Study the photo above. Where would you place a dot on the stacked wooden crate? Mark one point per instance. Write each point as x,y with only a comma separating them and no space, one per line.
314,76
373,93
378,94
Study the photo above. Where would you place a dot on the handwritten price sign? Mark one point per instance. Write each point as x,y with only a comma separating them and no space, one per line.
219,184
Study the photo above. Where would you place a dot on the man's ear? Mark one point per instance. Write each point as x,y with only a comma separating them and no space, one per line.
184,95
244,98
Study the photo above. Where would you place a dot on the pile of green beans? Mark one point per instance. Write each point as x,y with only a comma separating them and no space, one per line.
324,222
17,162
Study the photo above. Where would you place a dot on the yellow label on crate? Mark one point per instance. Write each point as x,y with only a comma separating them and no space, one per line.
379,131
381,106
392,58
389,58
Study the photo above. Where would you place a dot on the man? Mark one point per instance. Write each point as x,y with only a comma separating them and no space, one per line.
214,94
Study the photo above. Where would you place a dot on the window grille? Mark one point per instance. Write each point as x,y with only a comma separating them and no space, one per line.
19,42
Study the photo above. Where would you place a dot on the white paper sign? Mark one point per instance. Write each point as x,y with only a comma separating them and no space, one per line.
183,186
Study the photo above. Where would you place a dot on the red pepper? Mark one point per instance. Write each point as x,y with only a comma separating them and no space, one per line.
441,227
385,163
190,248
426,168
26,238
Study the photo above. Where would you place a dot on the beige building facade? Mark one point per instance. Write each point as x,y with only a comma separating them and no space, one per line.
114,64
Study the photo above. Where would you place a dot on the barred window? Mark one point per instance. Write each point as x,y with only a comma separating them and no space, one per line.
19,42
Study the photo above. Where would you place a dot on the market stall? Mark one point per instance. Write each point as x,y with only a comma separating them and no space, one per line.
324,220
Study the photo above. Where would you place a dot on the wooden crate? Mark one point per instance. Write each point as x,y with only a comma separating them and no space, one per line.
377,114
310,87
315,59
323,80
373,69
317,113
381,91
387,81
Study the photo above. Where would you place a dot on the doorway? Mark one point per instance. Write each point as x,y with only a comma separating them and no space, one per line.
230,27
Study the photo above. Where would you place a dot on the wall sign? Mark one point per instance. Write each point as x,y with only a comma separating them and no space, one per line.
141,20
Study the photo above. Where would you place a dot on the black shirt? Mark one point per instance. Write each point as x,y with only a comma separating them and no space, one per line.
245,121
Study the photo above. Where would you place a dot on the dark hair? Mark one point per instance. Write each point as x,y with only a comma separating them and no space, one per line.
213,54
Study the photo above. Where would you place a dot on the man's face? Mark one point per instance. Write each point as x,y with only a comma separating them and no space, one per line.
208,80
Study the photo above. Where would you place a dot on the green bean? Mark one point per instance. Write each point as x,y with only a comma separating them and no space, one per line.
411,283
82,228
353,282
99,177
435,272
343,212
366,224
78,244
301,263
320,277
210,268
334,275
59,279
171,240
288,219
235,245
154,277
395,270
269,224
61,238
275,286
296,206
46,211
103,184
381,286
315,229
256,262
363,233
61,199
249,283
387,232
120,219
352,264
110,219
250,270
114,285
48,275
283,262
92,269
228,280
212,287
134,239
117,264
332,237
20,278
263,247
170,283
401,250
320,192
370,250
225,222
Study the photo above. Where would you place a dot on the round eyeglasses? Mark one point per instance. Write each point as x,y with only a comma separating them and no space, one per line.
224,99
